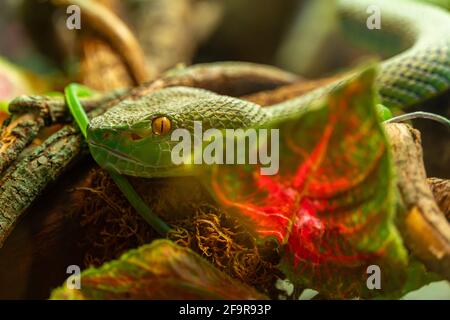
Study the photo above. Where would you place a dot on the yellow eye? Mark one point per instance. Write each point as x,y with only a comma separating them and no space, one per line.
161,125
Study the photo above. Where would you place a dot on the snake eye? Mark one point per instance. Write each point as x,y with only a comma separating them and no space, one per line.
161,125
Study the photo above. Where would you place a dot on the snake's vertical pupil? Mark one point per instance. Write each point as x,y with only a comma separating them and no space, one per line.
161,125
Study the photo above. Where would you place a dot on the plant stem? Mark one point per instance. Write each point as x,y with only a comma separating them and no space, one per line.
72,92
418,115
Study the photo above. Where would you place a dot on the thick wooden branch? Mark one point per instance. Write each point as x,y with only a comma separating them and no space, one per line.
16,135
423,226
23,182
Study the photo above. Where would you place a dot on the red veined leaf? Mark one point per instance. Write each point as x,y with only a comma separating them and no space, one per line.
333,201
160,270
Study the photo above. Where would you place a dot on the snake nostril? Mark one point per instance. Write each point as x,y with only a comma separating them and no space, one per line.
106,135
135,137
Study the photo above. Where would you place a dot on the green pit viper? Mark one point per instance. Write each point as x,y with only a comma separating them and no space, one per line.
133,137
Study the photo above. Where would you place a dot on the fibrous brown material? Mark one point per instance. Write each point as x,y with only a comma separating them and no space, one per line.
225,242
110,223
112,227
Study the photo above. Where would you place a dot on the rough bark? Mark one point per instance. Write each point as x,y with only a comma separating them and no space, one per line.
441,192
23,182
16,135
423,226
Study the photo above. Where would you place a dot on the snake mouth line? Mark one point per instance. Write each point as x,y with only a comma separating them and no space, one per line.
124,156
115,153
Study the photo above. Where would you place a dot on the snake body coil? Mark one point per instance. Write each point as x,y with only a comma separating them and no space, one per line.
416,74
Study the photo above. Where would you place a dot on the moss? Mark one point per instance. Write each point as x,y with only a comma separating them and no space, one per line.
112,227
224,242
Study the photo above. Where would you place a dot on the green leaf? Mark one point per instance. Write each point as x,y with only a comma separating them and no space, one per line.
333,201
434,291
160,270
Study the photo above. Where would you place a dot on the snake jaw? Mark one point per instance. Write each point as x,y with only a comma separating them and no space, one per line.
147,157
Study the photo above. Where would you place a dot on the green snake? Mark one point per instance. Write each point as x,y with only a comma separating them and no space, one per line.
124,138
133,137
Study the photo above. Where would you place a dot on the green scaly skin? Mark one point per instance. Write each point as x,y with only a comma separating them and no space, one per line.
418,73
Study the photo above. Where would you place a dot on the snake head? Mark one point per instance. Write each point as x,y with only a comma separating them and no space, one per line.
135,136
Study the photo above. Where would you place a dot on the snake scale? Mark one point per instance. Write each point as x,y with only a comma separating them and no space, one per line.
124,138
